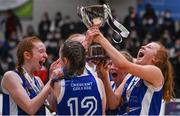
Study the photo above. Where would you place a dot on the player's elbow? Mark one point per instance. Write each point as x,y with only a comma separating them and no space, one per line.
29,109
112,106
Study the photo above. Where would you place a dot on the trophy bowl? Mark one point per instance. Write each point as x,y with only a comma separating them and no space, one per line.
97,15
93,15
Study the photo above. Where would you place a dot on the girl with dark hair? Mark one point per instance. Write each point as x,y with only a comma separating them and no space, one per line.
24,93
149,82
78,92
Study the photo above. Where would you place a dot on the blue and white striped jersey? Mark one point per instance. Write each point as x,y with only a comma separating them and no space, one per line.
10,107
140,98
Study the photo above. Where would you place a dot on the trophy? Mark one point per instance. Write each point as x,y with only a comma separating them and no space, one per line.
98,15
93,15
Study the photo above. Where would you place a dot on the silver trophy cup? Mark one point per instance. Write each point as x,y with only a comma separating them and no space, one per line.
93,15
98,15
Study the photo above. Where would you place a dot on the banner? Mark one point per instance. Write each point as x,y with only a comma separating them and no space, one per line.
26,10
11,4
22,8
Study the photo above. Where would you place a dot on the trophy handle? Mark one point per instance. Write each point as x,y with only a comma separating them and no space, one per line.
84,18
115,25
106,17
119,29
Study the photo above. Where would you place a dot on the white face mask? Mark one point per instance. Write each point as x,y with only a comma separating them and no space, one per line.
167,15
150,21
177,46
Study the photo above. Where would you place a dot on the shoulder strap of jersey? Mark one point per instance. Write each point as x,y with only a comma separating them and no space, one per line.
26,84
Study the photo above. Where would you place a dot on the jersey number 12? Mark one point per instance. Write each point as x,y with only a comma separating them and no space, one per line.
88,102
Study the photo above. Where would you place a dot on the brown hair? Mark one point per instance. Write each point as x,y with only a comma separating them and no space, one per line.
74,36
75,53
127,56
25,45
162,61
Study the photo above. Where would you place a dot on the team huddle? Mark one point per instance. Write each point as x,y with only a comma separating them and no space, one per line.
79,87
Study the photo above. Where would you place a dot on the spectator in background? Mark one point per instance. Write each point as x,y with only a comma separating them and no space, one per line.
1,74
7,59
2,26
1,71
4,48
178,31
57,23
7,63
176,64
13,27
55,29
53,37
52,43
44,26
30,31
68,27
80,27
167,31
149,23
166,39
168,23
131,46
133,23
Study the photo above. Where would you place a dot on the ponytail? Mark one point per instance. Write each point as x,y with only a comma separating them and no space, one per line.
168,92
162,61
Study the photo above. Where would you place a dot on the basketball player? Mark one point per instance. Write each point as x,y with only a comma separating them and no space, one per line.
23,93
149,81
119,75
79,92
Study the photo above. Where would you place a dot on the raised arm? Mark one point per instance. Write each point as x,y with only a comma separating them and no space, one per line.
51,99
143,71
113,98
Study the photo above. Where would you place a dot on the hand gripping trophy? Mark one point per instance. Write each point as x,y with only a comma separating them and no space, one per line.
98,15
